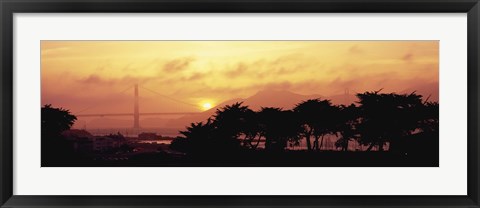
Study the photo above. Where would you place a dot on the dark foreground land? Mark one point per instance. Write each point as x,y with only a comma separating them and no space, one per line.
231,137
262,159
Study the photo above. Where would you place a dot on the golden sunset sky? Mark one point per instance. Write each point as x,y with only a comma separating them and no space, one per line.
80,74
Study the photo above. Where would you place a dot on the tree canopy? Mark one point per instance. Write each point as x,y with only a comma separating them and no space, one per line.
380,120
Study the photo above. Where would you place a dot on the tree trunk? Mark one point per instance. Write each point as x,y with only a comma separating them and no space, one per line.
307,138
321,142
309,145
258,141
345,146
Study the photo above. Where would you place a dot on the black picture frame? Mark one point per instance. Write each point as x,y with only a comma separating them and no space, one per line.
10,7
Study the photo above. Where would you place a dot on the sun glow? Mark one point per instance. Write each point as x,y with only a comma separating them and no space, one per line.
206,106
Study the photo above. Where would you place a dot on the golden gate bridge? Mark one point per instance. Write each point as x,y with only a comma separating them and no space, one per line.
136,112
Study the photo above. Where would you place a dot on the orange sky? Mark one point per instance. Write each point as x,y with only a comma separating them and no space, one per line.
80,74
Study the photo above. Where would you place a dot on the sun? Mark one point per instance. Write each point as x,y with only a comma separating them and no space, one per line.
206,106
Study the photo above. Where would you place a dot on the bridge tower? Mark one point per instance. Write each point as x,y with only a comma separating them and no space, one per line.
136,121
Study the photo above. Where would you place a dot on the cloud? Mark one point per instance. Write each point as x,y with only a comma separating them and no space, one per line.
172,80
239,70
290,70
103,67
205,90
95,79
177,65
342,83
261,68
285,85
195,76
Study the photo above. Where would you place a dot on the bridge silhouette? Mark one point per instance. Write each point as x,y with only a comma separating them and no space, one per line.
136,112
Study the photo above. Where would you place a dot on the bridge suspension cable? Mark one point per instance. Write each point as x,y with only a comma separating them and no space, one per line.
168,97
78,113
98,104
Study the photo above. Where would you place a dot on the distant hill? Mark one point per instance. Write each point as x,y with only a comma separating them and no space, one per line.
428,90
344,99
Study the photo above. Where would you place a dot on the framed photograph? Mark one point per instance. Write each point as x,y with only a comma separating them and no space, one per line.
255,103
240,103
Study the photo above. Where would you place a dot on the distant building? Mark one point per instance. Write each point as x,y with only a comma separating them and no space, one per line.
117,140
81,140
74,134
148,136
83,145
116,137
102,143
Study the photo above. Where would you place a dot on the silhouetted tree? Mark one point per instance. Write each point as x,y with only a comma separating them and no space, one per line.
231,120
292,128
251,129
278,127
348,120
307,111
181,144
317,116
197,138
208,138
401,120
388,117
327,123
429,117
53,122
424,139
236,120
